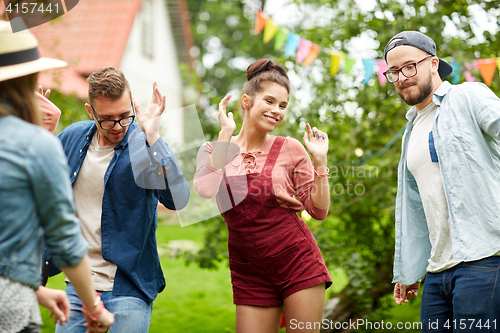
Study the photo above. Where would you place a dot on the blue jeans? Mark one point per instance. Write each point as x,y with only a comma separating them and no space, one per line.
132,315
464,298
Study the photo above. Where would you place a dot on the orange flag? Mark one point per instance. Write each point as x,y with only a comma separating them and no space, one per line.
487,68
260,21
312,55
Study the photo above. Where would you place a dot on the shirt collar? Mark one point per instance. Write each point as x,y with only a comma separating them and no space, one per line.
440,92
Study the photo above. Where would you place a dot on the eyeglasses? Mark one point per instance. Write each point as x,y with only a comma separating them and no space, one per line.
408,70
109,124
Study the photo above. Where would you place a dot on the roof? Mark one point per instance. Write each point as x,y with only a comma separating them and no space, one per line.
91,35
94,34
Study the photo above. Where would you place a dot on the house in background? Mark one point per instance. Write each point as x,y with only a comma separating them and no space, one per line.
146,39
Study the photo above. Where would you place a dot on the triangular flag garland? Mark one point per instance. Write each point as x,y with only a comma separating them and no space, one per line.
292,42
270,29
487,69
313,54
369,66
455,75
260,21
280,38
335,58
303,50
382,67
307,52
349,64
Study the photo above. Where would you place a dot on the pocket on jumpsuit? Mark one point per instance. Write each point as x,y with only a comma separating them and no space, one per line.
292,261
241,273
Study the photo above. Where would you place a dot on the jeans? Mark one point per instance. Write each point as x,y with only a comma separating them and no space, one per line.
132,315
464,298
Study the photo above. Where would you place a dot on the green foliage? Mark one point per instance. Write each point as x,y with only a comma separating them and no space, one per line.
358,234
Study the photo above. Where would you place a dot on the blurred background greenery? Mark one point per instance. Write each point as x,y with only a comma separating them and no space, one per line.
357,237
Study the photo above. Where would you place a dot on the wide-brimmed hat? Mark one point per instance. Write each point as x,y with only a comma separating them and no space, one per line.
19,54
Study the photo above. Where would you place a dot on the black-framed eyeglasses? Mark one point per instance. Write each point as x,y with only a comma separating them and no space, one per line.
408,70
109,124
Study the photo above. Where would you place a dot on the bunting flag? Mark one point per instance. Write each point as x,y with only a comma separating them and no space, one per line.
335,58
307,52
382,67
292,42
455,75
467,74
280,38
313,54
368,65
487,69
260,21
270,30
469,77
303,50
349,63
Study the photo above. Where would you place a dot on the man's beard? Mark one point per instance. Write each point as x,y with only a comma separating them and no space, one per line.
425,91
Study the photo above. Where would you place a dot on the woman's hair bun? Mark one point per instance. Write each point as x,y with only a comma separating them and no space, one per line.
264,65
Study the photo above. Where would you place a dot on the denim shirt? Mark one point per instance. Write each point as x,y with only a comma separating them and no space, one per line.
466,142
133,184
36,203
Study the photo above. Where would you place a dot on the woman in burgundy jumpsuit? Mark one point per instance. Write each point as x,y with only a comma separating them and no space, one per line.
274,260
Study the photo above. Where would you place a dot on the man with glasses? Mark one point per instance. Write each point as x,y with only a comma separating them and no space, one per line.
448,198
119,171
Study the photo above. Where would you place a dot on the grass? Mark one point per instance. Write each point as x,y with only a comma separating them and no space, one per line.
200,300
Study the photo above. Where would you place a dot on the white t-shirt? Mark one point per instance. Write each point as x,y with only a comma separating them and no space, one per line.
430,185
88,191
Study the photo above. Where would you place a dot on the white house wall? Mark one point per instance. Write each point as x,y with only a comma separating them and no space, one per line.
142,71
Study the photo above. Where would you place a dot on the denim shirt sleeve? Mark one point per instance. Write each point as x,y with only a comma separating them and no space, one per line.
156,167
54,201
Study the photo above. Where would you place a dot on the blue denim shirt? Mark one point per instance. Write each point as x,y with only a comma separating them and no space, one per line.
133,184
36,203
466,142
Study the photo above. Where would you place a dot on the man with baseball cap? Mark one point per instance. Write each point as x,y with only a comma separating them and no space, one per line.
448,198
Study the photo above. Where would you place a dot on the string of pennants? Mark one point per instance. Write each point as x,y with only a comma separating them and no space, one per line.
307,52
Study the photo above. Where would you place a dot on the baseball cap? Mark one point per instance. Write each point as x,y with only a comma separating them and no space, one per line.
420,41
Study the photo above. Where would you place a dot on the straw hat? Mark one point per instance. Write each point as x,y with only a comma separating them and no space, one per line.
19,54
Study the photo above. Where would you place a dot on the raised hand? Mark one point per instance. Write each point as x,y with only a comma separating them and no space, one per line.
316,142
403,293
149,121
50,112
47,92
227,124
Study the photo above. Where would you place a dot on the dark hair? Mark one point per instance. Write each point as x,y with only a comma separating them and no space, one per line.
107,82
262,71
17,98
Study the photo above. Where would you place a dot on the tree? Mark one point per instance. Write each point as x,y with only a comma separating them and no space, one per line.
358,233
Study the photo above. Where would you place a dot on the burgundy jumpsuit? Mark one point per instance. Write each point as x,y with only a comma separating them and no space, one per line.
272,253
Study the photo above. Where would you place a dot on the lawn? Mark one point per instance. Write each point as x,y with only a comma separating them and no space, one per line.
200,300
